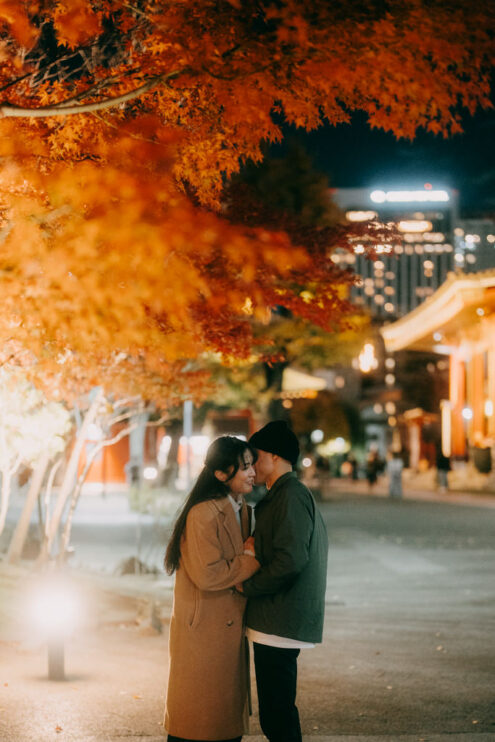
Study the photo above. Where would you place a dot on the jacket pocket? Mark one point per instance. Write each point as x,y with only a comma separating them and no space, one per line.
194,618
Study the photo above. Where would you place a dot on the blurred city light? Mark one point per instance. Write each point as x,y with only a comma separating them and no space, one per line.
367,358
380,197
317,436
360,216
415,226
150,472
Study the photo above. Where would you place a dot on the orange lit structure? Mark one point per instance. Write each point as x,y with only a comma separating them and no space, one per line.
458,320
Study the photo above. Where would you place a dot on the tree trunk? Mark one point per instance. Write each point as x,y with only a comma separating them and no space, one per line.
22,527
5,496
171,470
274,374
69,479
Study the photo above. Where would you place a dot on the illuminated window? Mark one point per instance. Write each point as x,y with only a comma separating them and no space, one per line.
360,216
415,226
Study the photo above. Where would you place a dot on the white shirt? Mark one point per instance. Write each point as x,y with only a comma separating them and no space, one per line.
272,640
237,505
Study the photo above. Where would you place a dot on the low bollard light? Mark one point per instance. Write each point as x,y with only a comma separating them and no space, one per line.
55,608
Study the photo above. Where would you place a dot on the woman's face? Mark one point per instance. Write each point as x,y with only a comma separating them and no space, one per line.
243,480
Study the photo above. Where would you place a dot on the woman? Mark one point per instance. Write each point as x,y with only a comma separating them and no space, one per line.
208,677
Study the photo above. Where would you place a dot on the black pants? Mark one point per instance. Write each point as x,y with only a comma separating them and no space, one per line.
171,738
276,681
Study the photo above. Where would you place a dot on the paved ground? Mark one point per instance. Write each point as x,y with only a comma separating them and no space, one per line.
408,652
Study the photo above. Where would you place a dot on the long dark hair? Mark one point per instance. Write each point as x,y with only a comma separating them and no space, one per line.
225,454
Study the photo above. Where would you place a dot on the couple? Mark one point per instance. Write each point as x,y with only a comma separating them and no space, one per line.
283,579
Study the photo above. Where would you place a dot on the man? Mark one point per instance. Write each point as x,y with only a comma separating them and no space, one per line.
286,597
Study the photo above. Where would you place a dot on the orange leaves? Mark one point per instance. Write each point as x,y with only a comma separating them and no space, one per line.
75,22
224,71
14,15
103,255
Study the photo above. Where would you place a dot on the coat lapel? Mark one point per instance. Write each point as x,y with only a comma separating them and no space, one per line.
229,523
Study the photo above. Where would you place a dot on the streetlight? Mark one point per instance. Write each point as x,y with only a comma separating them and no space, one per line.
367,359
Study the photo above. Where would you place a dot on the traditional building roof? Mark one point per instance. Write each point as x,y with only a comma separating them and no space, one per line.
453,313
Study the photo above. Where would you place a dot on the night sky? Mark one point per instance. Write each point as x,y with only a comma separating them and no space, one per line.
352,155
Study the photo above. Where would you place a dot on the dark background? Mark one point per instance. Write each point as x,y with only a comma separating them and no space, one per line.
354,156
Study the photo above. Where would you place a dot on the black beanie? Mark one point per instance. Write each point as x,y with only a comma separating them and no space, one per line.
276,437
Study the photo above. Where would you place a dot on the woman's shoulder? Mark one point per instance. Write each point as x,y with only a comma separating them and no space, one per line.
209,508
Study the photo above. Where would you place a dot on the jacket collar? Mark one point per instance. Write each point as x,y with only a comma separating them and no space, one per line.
278,484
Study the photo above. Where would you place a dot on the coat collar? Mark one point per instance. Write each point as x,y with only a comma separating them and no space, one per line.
278,484
228,519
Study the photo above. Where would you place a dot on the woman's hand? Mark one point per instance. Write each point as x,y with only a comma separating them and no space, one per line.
249,546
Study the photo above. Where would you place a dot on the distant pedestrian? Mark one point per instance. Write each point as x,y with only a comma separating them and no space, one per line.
443,468
374,466
207,697
395,466
354,466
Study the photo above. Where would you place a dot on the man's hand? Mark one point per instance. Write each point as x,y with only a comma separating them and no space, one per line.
249,546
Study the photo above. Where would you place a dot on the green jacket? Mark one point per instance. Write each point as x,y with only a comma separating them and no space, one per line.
286,596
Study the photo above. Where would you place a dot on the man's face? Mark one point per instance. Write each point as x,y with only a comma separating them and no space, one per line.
264,466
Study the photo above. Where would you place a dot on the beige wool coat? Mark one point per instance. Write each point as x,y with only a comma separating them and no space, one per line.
207,687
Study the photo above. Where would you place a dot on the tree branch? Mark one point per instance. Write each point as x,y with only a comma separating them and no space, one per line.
64,109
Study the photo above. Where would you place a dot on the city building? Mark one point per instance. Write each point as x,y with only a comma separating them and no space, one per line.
412,269
474,241
458,321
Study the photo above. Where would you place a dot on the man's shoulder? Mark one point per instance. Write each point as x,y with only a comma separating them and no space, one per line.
292,494
293,486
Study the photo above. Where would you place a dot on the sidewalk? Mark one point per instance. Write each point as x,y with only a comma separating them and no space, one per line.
341,486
